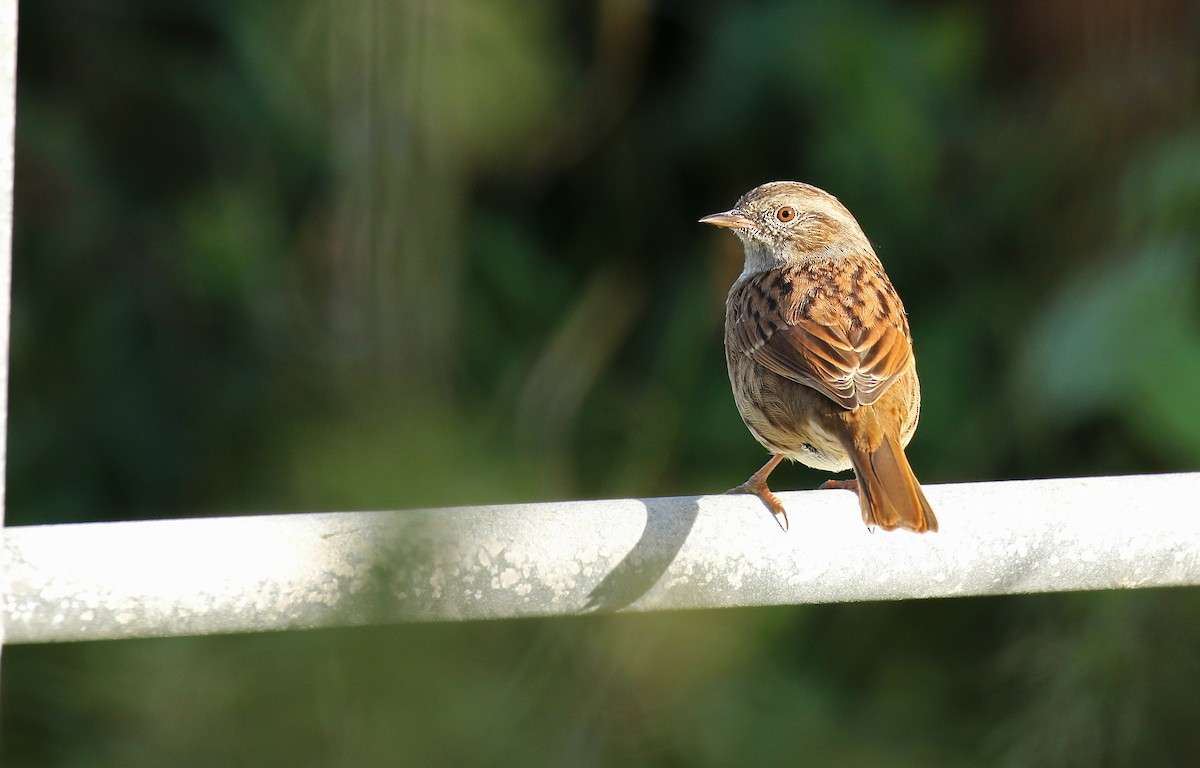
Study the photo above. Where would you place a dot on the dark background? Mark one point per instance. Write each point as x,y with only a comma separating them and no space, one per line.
315,255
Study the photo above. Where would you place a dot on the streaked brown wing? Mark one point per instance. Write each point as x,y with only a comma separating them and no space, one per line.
852,369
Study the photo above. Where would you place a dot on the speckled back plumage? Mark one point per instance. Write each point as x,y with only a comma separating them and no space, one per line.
774,318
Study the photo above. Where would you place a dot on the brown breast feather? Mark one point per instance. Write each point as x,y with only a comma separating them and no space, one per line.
836,327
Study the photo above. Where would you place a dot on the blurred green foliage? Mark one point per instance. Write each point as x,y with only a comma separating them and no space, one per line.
381,254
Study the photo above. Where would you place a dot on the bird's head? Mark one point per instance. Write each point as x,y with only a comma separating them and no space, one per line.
787,221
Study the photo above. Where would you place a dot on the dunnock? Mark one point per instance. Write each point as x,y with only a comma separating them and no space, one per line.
819,352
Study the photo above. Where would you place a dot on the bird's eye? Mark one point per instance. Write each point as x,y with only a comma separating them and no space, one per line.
786,214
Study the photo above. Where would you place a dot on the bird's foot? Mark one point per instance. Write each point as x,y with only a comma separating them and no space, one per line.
758,487
849,485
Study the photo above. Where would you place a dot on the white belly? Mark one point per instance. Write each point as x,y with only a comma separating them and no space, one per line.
812,445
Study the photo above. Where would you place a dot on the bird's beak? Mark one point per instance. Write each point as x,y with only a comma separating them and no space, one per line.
731,219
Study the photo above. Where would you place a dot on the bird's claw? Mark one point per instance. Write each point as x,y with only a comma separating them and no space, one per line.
768,498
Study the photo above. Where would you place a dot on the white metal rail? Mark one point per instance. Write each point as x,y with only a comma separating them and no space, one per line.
236,574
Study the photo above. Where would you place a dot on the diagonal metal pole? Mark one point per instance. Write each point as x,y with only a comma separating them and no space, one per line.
239,574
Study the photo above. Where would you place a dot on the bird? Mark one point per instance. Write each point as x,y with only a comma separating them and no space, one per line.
820,354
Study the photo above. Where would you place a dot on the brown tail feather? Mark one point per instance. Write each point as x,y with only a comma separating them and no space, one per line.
888,491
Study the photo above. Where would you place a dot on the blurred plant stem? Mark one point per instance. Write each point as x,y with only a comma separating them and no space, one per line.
421,94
